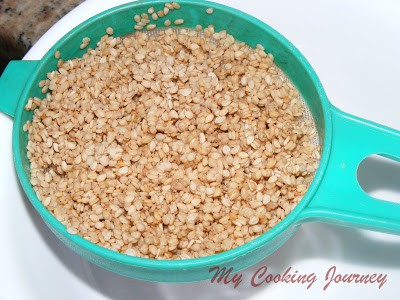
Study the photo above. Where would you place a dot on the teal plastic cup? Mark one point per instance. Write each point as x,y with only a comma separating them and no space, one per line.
334,196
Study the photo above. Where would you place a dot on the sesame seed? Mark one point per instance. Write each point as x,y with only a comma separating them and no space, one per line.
71,230
109,31
219,120
151,26
179,21
243,154
209,10
99,225
202,138
249,139
186,92
253,220
209,118
144,21
47,201
226,150
123,170
176,5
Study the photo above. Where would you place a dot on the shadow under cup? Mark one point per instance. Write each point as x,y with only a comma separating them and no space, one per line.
244,28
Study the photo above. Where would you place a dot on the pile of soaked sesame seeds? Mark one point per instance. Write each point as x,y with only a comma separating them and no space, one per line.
172,145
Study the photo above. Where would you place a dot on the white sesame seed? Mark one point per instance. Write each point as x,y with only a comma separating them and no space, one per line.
202,137
249,139
219,120
123,170
186,92
71,230
176,5
179,21
253,220
243,154
47,201
226,150
209,118
109,31
151,26
167,23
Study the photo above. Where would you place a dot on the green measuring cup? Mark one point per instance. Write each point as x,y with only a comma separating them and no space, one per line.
334,195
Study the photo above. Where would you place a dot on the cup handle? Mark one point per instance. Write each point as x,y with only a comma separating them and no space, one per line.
339,199
12,83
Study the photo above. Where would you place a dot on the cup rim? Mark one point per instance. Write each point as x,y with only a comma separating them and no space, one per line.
192,263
